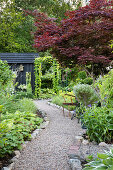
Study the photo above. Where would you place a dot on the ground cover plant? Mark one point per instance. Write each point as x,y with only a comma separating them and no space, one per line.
99,120
15,128
18,115
59,99
104,161
99,123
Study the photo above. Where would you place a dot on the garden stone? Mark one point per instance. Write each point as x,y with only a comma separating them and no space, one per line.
17,153
94,143
45,118
5,168
14,159
11,166
79,138
75,164
85,142
23,146
44,125
103,144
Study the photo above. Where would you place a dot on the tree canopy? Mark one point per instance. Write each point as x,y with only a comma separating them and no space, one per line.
15,27
82,38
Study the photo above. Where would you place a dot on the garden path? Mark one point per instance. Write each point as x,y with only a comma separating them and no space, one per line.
48,151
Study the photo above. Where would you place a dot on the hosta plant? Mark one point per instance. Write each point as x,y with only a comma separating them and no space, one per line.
105,161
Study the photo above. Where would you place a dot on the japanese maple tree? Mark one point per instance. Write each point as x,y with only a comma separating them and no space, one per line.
82,38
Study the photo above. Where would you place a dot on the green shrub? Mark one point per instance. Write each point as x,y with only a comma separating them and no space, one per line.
15,128
105,161
82,75
5,73
59,99
99,123
85,94
26,105
11,105
21,95
88,80
105,87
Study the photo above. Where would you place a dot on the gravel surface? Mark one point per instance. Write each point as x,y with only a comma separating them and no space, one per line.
49,150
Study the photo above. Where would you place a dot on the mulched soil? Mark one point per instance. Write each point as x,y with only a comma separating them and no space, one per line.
4,162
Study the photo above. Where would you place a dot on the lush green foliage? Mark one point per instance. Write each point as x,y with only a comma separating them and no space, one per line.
85,94
105,161
15,128
47,93
83,78
54,75
99,123
22,94
105,87
15,29
82,75
54,8
5,73
11,105
59,99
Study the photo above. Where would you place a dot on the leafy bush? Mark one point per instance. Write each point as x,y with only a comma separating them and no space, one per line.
14,128
82,75
5,73
26,105
105,87
105,161
88,80
11,105
99,122
22,94
59,99
85,94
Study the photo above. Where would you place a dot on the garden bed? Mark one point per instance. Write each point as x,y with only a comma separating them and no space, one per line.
6,159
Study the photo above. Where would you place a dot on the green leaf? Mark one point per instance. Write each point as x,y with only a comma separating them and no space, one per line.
110,127
100,168
108,161
102,156
88,168
110,168
94,163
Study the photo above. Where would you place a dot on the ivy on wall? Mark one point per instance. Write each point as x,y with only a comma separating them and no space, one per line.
38,73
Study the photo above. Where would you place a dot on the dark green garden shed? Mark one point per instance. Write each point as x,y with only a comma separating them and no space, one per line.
24,62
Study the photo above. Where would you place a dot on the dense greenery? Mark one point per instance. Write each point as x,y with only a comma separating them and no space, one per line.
104,161
49,73
62,98
85,94
16,28
99,124
18,116
15,128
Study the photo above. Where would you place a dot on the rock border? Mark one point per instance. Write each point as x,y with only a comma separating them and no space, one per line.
35,133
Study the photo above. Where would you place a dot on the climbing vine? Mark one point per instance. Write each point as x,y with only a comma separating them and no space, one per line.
38,73
56,76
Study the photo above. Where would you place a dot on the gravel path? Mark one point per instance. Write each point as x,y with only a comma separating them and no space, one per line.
49,150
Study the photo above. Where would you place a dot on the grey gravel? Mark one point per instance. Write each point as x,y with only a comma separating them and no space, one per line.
56,144
48,151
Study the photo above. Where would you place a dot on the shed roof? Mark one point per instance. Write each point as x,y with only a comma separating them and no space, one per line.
19,57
